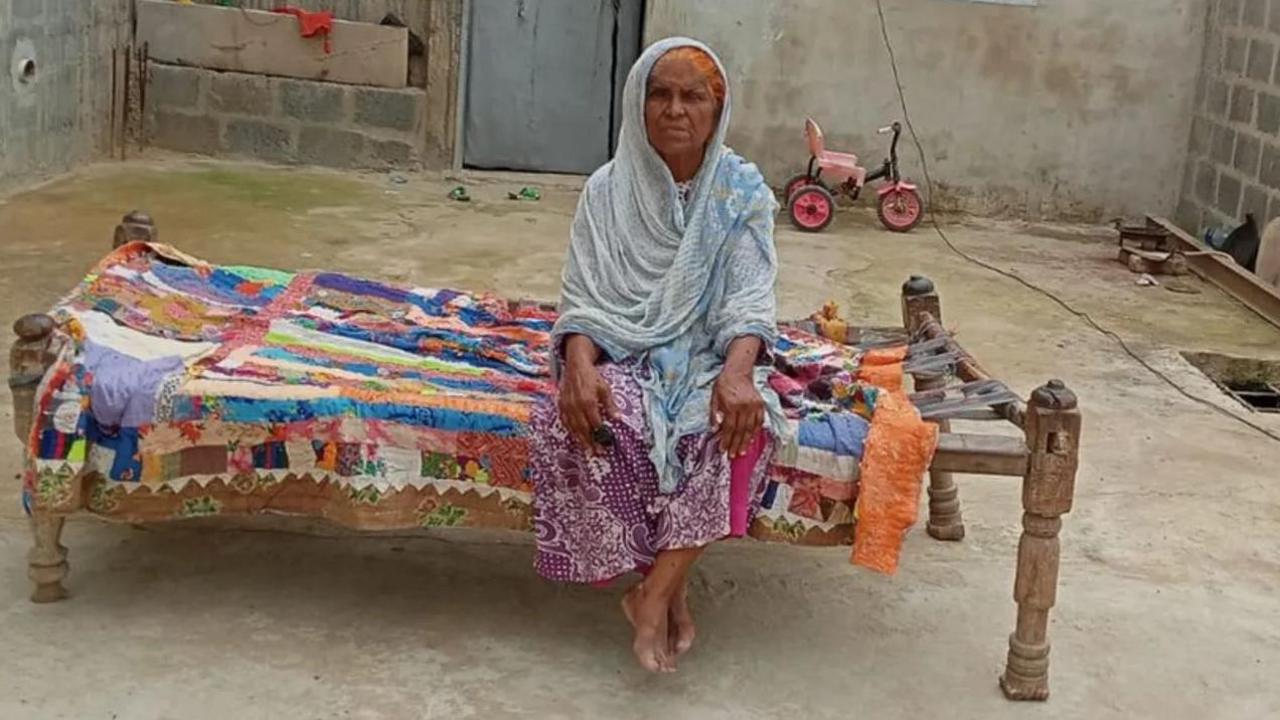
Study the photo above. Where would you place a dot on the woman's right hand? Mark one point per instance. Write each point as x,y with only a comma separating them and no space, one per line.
586,400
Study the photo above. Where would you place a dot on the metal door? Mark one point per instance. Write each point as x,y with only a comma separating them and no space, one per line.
544,82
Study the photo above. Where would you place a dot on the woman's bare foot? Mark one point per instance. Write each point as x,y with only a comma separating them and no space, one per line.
682,630
647,613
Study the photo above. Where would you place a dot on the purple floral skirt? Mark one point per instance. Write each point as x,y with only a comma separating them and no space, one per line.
599,516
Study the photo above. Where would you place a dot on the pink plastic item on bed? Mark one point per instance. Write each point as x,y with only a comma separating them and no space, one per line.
740,474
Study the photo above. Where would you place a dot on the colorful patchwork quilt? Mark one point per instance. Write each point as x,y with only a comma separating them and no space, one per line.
186,389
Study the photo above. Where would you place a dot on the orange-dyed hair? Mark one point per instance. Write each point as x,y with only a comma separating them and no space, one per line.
705,65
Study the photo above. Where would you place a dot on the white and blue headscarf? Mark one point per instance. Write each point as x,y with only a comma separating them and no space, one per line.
672,284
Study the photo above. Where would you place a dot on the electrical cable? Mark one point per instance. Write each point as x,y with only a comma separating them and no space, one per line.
1080,314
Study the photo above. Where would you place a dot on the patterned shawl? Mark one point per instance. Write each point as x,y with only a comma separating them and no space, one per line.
668,284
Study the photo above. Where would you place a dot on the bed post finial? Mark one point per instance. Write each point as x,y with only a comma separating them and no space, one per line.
1053,439
920,301
135,226
919,296
917,285
28,360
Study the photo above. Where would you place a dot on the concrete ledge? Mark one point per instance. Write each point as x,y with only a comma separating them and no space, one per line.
252,41
284,120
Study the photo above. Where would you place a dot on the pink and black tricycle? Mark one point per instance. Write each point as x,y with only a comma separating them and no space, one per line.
810,196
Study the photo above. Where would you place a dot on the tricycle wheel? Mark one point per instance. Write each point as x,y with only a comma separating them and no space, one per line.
812,208
900,209
795,183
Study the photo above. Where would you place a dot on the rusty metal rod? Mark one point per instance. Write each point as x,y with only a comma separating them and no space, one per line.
143,54
115,97
124,120
1232,279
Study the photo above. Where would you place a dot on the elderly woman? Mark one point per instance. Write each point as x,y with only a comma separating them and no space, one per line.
664,426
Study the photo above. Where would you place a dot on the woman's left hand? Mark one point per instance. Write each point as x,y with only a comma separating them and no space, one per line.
737,411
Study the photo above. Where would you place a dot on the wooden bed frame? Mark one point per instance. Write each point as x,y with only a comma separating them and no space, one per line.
1045,458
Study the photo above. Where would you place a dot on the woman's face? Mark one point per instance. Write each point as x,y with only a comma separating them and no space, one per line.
680,110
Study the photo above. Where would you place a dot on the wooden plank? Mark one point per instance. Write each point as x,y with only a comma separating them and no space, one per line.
267,43
444,58
981,454
1230,277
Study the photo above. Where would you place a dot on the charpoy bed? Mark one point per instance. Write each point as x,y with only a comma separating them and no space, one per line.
165,388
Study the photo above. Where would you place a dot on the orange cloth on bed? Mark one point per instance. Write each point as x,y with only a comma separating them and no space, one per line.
899,448
887,377
883,367
885,356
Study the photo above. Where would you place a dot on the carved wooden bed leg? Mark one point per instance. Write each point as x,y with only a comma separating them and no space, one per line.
28,360
1053,437
919,296
945,522
47,561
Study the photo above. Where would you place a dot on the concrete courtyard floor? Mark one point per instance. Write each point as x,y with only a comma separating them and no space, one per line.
1169,604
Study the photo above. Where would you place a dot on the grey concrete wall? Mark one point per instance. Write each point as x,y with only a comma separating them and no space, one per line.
1073,109
284,120
1233,165
56,113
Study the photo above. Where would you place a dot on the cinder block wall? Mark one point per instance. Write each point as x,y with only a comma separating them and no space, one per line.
439,24
55,111
284,120
1233,166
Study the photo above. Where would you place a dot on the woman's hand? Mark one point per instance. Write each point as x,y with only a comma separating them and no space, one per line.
586,400
737,410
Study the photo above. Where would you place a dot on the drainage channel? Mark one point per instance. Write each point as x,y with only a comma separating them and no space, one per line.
1252,382
1263,397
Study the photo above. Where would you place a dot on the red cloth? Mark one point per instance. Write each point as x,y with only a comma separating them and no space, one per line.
311,24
